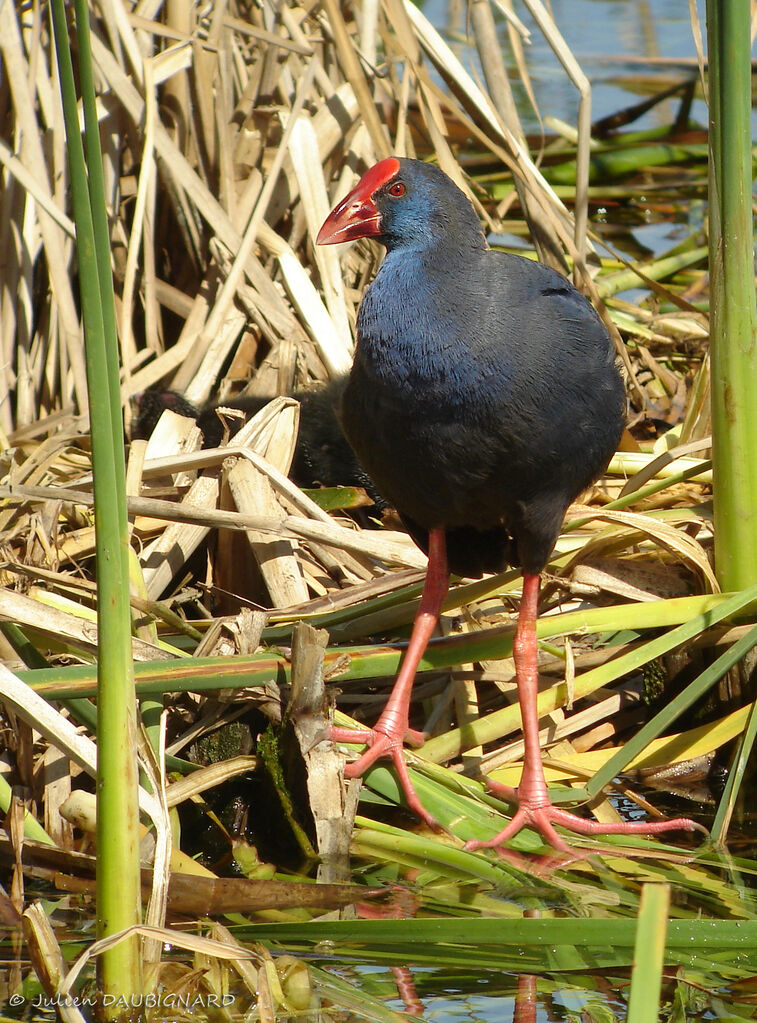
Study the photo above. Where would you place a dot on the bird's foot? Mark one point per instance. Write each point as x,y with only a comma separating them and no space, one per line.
368,736
385,742
542,816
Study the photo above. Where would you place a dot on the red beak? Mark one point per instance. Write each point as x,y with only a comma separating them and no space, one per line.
356,215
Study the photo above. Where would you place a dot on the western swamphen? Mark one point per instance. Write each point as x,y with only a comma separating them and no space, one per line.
483,398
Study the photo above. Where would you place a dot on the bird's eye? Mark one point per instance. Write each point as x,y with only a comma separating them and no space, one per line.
397,189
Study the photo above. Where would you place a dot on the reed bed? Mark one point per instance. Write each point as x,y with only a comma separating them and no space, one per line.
228,131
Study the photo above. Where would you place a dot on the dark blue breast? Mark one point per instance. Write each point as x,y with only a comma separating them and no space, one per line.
483,398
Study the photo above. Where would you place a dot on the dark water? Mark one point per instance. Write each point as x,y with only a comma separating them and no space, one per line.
614,41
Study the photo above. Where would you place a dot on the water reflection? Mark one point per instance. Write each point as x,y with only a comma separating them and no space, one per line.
614,40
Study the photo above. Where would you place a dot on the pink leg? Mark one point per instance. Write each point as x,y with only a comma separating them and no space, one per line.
402,905
387,735
526,1007
531,796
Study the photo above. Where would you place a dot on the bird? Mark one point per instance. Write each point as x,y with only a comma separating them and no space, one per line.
483,398
322,455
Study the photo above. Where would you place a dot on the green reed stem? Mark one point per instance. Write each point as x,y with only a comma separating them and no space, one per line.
732,297
649,954
118,880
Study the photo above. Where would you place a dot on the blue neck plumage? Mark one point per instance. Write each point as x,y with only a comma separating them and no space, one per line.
409,330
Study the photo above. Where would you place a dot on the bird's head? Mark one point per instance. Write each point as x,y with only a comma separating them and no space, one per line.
403,204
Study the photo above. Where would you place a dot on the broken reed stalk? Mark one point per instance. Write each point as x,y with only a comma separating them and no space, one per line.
118,880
